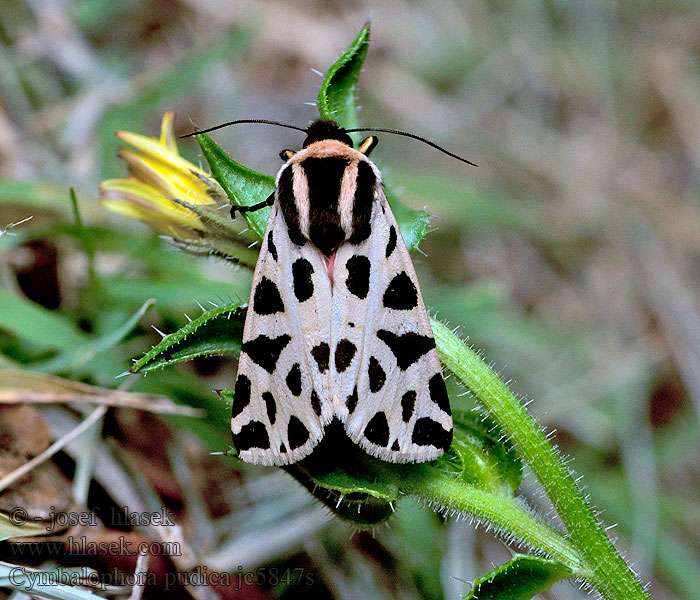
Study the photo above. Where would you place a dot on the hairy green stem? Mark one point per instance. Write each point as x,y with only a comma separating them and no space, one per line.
502,511
608,571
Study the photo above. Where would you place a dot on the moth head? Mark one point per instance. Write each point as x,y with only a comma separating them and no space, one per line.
326,130
322,130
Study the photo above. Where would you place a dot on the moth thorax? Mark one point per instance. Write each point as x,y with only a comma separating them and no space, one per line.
326,194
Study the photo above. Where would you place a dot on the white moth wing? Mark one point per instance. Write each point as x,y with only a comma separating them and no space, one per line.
391,396
281,396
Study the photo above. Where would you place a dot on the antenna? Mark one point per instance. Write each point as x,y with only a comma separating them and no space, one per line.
415,137
200,131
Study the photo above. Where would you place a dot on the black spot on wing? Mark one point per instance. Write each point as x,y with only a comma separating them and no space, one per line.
315,402
427,432
293,379
251,435
377,430
401,293
406,348
344,353
271,406
408,403
288,204
438,392
265,351
395,446
321,354
351,401
302,270
267,299
325,176
271,248
283,449
376,375
358,275
362,205
241,396
391,244
297,433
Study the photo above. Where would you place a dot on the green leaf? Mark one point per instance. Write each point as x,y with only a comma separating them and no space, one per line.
480,454
359,508
33,323
518,579
242,185
77,357
39,195
336,98
175,292
412,223
215,332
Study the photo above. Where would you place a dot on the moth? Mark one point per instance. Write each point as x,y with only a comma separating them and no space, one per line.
336,327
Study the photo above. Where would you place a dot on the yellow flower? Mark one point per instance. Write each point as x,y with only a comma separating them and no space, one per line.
158,176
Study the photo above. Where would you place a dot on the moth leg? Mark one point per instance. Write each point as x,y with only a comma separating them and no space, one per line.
253,207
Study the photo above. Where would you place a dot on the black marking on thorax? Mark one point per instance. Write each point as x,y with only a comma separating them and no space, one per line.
290,211
325,176
362,207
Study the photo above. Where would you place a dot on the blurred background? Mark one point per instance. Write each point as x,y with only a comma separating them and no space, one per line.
571,256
